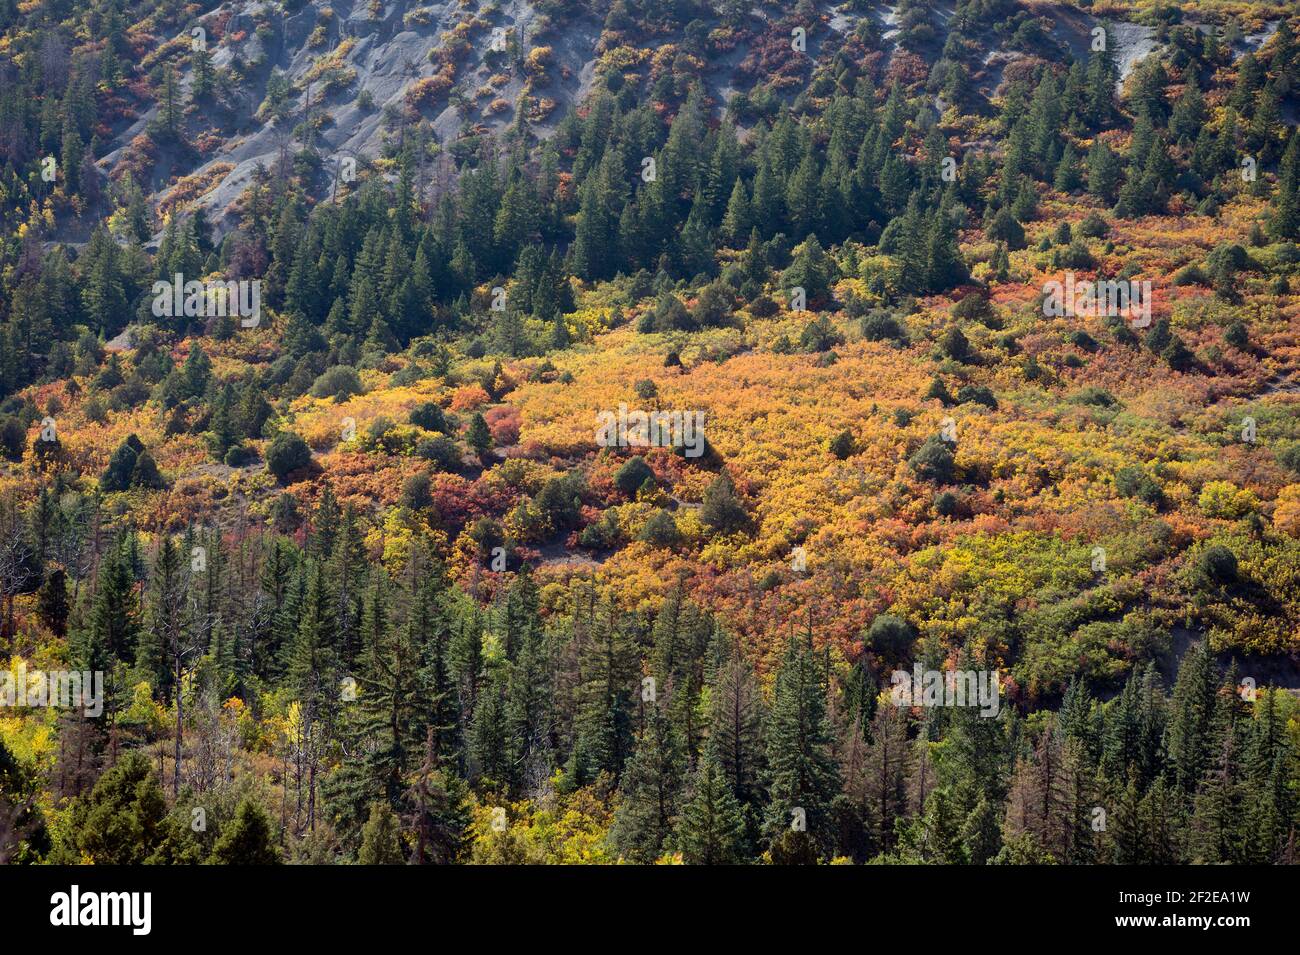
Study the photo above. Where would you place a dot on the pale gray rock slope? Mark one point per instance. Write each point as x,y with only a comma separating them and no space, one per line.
387,53
390,49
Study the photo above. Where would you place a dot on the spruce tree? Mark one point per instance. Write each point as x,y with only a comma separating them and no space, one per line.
802,776
1191,713
607,669
489,743
123,821
884,774
711,828
651,791
1285,221
736,729
380,838
247,839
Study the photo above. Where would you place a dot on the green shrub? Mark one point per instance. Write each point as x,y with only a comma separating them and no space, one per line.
288,453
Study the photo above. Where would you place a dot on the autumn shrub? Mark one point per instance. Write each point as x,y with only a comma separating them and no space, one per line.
385,436
539,58
504,423
469,398
429,90
1223,499
1286,515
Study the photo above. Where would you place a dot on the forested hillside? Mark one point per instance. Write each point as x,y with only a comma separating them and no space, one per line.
562,432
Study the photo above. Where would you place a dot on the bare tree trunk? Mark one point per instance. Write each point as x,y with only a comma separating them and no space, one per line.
297,781
284,794
311,795
180,709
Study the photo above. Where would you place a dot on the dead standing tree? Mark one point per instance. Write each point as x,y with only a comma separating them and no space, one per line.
17,559
173,631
